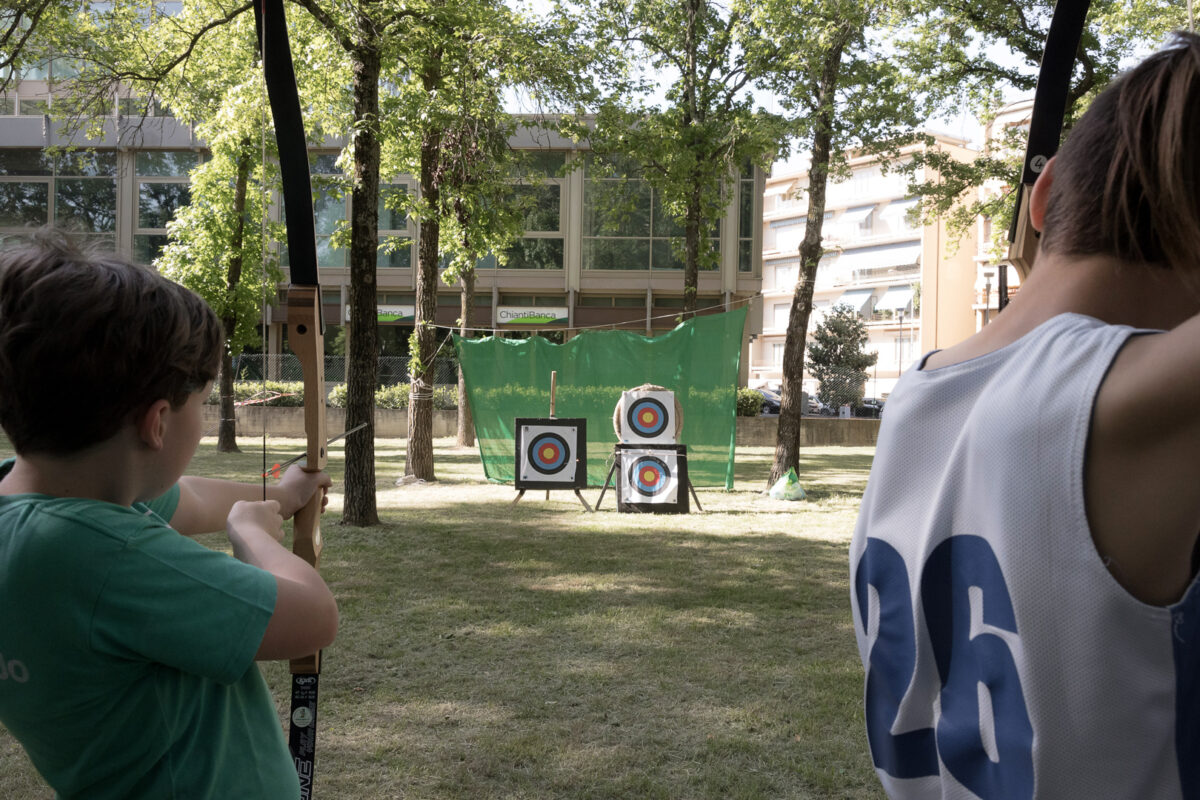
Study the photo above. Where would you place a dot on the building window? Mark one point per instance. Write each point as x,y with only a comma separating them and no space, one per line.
330,208
540,193
395,227
777,354
897,217
529,300
74,191
36,107
786,273
140,107
746,195
162,189
607,301
624,224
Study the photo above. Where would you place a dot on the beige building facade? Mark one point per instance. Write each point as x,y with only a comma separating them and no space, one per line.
913,284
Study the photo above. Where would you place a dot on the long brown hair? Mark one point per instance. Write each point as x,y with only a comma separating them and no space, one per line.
1127,180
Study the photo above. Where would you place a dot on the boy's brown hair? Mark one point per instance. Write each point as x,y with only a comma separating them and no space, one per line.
1127,180
87,341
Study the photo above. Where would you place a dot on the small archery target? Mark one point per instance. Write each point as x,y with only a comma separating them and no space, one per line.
547,453
648,417
551,454
649,476
652,478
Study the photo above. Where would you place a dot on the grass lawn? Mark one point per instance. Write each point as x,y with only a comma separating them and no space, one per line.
489,650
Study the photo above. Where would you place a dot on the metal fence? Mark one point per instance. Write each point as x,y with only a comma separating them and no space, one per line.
392,369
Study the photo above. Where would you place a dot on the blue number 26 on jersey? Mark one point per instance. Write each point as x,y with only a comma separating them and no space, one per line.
953,569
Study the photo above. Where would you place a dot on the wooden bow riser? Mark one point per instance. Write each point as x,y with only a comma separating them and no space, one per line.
307,342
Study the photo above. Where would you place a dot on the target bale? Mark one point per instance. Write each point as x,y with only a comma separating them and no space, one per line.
652,478
648,415
551,453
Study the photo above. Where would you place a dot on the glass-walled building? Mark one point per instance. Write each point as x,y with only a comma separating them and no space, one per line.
596,251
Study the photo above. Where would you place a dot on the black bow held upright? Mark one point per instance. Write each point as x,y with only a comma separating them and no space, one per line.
1045,130
306,337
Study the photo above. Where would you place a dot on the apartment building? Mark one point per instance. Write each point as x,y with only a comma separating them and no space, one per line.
913,284
992,243
583,262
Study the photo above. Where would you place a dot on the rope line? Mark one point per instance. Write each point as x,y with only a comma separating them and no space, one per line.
614,325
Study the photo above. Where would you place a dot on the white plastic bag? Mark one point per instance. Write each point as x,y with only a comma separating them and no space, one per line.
787,487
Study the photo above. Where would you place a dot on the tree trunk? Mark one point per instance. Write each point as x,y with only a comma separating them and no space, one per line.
362,358
691,264
227,425
466,426
419,453
787,440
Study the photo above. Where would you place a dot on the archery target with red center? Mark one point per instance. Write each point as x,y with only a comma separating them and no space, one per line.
648,417
649,476
550,454
652,478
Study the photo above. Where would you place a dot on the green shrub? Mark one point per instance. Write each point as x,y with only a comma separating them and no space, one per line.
749,402
279,394
337,397
393,396
396,396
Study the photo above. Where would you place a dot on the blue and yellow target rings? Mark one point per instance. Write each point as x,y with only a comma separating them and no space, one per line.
647,417
649,475
548,453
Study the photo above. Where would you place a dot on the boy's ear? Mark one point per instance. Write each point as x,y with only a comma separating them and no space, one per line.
152,424
1040,195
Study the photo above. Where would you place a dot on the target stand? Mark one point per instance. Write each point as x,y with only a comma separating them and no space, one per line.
551,453
651,478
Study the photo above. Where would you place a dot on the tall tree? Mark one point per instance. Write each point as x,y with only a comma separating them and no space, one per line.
706,129
445,118
843,87
216,245
216,249
838,358
963,41
31,31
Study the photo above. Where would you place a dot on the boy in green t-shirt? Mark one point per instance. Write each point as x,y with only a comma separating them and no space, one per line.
127,650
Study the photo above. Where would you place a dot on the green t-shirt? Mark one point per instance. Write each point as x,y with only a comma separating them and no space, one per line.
127,655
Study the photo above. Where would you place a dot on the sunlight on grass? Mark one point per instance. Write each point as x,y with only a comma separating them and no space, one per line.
493,650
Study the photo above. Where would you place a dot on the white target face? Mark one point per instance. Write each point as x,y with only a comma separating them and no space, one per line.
647,417
548,453
650,477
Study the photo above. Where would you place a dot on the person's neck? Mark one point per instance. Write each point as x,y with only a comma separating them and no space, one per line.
103,472
1104,288
1096,286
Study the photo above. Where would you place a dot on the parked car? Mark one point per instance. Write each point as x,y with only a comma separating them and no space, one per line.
771,401
870,407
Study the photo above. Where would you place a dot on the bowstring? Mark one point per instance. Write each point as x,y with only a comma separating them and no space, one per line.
263,276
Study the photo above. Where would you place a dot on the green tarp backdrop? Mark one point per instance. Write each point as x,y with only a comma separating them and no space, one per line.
510,378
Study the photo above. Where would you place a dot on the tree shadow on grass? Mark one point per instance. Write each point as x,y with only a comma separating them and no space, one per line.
542,661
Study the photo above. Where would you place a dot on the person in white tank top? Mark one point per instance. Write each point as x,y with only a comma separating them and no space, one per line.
1023,570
